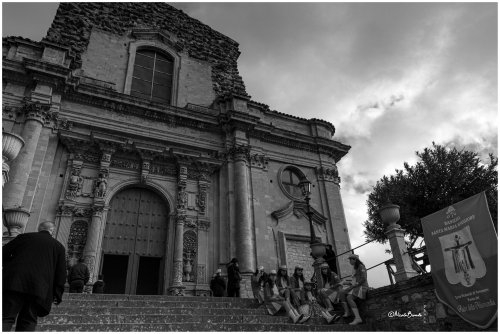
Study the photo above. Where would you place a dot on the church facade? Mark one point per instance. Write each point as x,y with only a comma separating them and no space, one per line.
143,147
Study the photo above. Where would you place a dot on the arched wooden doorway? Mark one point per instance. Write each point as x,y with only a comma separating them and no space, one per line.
134,243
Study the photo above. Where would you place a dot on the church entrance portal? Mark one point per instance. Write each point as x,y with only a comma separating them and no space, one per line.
135,243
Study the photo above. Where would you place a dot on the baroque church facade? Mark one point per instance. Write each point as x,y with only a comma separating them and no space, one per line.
143,147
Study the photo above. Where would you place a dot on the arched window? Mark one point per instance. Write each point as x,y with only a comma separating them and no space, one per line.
290,180
152,76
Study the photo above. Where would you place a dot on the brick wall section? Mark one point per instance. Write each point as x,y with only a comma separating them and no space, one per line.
297,253
412,295
74,21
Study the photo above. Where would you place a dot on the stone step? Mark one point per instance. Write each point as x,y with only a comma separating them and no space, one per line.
99,309
157,303
200,327
170,318
86,296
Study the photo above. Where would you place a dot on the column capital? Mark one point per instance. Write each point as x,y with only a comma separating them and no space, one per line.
37,111
240,153
327,174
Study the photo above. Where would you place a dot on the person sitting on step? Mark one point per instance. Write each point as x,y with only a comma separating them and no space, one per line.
356,291
274,302
284,287
297,283
257,281
331,287
309,304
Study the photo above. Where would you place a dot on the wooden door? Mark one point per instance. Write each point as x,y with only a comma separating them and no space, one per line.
136,227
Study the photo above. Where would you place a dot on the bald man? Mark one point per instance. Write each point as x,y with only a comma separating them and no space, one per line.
34,273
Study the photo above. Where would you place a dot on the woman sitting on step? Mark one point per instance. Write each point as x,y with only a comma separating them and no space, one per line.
310,307
285,289
331,287
356,291
274,302
297,283
258,279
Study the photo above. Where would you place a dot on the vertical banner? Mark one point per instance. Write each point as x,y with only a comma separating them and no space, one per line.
463,250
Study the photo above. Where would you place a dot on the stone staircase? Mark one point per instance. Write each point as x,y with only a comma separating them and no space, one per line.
128,313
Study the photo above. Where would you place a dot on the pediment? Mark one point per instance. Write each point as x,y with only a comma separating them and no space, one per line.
299,209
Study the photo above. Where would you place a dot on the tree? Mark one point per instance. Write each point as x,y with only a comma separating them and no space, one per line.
441,177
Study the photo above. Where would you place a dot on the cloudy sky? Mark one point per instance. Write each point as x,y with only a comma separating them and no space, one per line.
391,77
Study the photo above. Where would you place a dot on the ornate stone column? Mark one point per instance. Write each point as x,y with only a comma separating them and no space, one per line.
11,145
245,252
37,115
177,288
90,250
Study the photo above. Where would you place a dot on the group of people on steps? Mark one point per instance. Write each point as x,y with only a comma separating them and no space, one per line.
298,297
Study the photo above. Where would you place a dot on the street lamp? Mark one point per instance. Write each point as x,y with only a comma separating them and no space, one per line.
318,248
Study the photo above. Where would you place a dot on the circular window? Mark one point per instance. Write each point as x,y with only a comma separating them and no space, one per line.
290,179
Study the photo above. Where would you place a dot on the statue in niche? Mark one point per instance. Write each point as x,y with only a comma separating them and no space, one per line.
101,184
75,184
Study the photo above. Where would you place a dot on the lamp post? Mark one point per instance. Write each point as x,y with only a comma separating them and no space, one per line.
318,248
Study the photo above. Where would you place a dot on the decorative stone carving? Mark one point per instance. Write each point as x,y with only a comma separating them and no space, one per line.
97,211
15,220
82,212
101,184
125,164
190,223
11,145
90,263
189,255
201,198
75,183
76,241
200,274
87,157
203,224
327,174
240,153
259,160
181,195
178,271
163,170
65,210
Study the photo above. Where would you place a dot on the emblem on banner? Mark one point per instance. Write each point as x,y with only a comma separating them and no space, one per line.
450,213
462,261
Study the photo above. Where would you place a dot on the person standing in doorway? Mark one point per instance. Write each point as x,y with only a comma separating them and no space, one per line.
233,278
34,273
78,276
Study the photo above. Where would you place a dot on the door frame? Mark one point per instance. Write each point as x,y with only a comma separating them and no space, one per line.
168,199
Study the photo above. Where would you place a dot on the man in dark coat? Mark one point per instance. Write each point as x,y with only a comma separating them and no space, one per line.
34,273
217,284
233,280
78,276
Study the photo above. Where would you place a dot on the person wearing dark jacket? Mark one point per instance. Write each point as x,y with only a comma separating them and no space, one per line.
34,273
78,276
218,285
233,284
99,286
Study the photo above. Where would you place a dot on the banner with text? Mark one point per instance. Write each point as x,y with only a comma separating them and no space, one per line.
463,250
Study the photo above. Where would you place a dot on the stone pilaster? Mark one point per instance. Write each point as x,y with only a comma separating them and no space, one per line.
403,262
177,288
245,252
